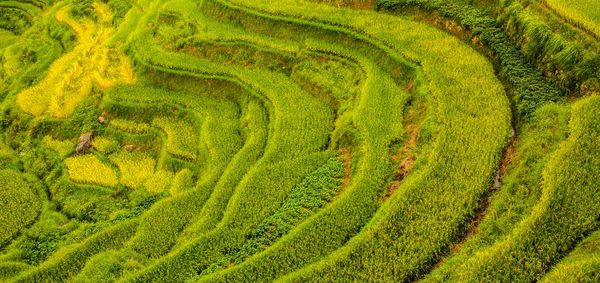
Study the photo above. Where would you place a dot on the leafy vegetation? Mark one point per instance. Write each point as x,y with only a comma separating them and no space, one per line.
253,141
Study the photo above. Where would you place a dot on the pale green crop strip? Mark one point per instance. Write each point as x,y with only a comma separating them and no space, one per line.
581,265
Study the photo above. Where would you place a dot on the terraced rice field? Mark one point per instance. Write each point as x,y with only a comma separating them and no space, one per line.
336,141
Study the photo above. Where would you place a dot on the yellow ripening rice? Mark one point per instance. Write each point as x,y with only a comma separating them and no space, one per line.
71,77
88,169
135,168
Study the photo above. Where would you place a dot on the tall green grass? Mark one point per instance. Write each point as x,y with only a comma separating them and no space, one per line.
580,265
519,190
567,56
21,205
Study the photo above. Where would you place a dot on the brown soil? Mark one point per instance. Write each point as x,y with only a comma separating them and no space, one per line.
485,200
406,155
347,156
356,4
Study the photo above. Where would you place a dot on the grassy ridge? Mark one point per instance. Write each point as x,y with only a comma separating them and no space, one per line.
580,265
582,13
566,55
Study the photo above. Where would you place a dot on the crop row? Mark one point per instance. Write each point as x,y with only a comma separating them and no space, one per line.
565,55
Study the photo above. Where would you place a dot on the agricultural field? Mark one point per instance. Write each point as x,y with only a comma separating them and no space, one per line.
299,141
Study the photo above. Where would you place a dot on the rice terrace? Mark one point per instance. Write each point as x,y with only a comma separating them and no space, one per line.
300,140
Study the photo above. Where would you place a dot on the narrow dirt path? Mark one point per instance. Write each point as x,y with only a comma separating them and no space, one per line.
413,118
347,156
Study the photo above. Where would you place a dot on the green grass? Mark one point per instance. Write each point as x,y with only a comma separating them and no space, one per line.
566,54
6,38
520,189
569,190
